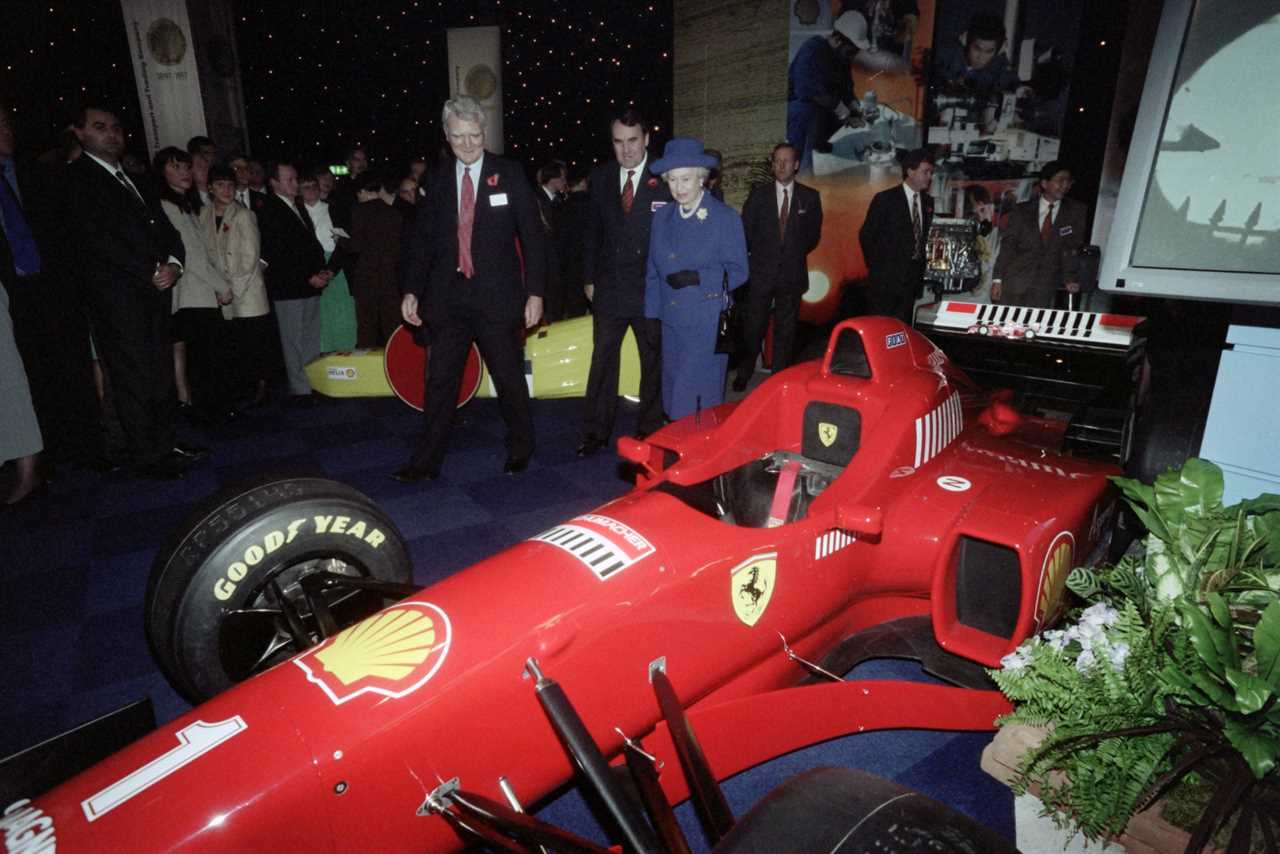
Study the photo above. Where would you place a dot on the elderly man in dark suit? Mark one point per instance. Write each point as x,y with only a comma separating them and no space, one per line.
128,256
295,273
624,195
479,228
783,222
1039,248
893,239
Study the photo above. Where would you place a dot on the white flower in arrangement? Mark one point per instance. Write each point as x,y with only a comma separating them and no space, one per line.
1085,660
1019,658
702,213
1100,615
1118,654
1057,639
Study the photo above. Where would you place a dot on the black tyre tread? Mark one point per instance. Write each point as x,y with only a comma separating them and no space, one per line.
180,562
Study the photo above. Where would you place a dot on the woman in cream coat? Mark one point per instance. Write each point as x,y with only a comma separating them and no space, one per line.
232,231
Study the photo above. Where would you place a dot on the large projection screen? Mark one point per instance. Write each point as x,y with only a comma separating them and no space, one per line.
1198,213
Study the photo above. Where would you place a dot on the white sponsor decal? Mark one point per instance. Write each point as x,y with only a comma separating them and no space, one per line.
830,543
27,830
194,740
937,428
603,545
337,372
952,483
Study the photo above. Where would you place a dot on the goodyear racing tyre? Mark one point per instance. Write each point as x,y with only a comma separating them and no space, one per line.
224,600
845,810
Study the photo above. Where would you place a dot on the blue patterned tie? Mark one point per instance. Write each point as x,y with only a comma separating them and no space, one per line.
26,257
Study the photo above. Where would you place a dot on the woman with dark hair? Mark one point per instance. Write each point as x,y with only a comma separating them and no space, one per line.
232,231
198,331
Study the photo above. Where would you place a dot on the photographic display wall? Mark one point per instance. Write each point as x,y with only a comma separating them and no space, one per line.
984,84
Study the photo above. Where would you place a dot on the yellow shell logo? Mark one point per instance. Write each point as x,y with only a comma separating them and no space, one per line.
827,433
1053,577
391,654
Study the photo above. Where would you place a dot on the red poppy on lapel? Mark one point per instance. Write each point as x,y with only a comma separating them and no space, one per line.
226,226
652,182
492,180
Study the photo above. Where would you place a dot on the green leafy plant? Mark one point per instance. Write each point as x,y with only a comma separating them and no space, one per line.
1169,679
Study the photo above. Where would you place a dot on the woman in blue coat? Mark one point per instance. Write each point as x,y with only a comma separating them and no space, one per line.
696,246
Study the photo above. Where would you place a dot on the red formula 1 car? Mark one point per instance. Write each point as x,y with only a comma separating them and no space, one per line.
850,507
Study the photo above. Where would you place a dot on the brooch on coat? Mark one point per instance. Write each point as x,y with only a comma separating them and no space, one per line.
226,226
702,214
492,180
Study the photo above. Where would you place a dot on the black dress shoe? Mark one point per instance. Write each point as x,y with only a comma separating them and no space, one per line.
414,474
172,467
515,465
589,446
190,452
740,382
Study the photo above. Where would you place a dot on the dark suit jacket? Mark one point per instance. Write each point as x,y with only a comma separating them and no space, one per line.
42,202
118,239
616,246
778,262
1028,264
290,248
552,218
886,238
508,247
375,242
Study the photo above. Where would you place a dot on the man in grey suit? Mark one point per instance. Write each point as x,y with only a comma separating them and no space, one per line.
1040,245
624,195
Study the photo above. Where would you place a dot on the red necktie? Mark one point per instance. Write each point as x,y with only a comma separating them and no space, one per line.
782,217
628,192
466,219
915,224
1046,227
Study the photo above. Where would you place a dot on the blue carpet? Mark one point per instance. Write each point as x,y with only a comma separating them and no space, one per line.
75,564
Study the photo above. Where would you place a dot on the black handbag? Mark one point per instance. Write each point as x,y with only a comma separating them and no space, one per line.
727,326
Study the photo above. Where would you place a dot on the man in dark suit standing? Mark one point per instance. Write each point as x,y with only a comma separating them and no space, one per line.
128,256
893,239
624,195
1040,245
295,273
49,323
465,282
783,222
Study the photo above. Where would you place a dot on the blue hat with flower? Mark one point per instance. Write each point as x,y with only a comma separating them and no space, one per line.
681,153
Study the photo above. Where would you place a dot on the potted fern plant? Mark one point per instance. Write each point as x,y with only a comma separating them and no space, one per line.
1165,683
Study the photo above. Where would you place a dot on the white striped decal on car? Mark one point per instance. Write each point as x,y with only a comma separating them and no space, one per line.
938,428
830,543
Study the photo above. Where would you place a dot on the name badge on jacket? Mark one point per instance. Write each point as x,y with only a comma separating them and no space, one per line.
497,200
653,206
1065,231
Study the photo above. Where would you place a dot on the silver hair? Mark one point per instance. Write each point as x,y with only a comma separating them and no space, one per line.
703,172
463,107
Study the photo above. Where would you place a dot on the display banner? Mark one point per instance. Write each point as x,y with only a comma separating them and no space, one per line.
997,96
475,69
849,115
213,25
164,66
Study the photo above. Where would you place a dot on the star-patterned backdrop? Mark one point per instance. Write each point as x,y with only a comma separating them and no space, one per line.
320,75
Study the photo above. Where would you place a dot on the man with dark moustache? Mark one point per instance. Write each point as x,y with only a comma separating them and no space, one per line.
480,229
128,255
623,196
783,222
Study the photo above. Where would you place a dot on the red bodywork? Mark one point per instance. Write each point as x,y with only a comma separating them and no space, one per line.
336,749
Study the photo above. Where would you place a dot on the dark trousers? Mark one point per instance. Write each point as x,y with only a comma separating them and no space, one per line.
894,300
785,305
502,348
207,336
131,330
607,333
52,334
251,355
377,316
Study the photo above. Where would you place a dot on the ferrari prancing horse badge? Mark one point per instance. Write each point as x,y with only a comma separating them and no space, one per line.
751,586
827,433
